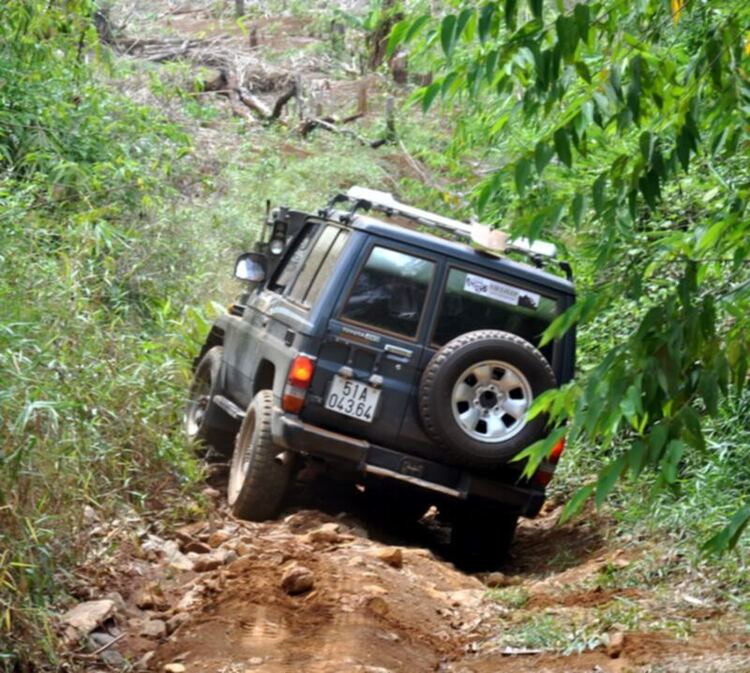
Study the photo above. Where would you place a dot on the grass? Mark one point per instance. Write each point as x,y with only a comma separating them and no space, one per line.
574,630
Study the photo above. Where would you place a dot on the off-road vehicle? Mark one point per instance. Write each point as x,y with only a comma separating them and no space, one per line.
400,353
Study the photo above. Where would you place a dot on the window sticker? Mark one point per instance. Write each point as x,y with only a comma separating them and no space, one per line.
500,292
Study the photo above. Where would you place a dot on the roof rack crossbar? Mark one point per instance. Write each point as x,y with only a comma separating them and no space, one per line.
384,202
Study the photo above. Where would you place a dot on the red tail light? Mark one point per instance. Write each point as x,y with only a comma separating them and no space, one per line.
300,376
301,371
544,474
557,451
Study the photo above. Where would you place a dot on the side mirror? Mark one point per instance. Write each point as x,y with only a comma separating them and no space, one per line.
251,266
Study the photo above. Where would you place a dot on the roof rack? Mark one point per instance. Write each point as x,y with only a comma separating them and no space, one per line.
492,241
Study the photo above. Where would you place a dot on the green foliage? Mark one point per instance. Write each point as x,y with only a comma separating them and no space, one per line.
93,333
621,129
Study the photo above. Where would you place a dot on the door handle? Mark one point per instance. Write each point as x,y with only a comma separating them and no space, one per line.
397,350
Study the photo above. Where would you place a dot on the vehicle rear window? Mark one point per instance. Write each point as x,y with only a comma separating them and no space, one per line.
290,267
312,265
326,268
471,301
390,292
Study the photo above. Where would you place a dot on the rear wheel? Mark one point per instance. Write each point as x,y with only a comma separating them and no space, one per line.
202,389
258,481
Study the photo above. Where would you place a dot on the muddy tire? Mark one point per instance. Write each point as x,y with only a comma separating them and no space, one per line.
257,481
481,536
475,393
202,389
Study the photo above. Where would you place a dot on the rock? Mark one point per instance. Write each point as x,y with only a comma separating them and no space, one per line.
325,534
244,549
182,562
153,547
118,600
496,580
218,538
90,516
206,562
176,621
113,658
143,663
211,494
85,617
99,639
174,668
189,532
378,606
255,661
393,556
190,599
170,550
153,628
151,597
615,644
297,579
195,547
468,598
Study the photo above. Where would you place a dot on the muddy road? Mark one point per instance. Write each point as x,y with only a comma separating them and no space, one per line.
332,586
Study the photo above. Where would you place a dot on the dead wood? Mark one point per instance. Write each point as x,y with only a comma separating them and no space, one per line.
254,103
281,101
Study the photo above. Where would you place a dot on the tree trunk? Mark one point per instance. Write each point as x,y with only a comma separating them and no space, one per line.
239,8
378,39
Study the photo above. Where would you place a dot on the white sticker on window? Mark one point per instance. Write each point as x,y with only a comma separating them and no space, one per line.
500,292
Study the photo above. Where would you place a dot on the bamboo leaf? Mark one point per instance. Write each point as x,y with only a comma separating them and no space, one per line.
447,34
522,173
562,147
485,21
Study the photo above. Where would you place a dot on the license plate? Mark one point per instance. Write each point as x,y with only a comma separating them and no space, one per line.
352,398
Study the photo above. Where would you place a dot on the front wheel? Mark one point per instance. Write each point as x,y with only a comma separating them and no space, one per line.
258,481
202,389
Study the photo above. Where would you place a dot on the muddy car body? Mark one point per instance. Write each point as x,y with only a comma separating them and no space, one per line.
401,357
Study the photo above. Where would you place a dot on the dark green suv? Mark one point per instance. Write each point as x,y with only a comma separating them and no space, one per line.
397,353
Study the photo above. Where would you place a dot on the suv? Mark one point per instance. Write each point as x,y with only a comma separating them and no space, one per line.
399,355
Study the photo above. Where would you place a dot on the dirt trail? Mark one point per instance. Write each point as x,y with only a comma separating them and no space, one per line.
378,603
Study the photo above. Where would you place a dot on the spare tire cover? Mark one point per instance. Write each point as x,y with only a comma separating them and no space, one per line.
475,392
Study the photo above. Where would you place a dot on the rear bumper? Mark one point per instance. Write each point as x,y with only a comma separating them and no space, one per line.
291,433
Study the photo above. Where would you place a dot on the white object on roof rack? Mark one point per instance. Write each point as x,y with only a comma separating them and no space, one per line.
491,239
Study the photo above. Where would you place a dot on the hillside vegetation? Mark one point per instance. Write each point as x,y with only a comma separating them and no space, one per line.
619,130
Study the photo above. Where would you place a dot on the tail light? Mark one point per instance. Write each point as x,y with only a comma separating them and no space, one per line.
297,383
543,475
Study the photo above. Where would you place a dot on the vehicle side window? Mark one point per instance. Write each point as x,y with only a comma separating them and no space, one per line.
472,302
326,268
390,292
312,264
288,270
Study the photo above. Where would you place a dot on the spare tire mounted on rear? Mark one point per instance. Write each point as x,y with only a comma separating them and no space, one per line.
475,394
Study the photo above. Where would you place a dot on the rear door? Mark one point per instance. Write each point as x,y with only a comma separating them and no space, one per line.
368,362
